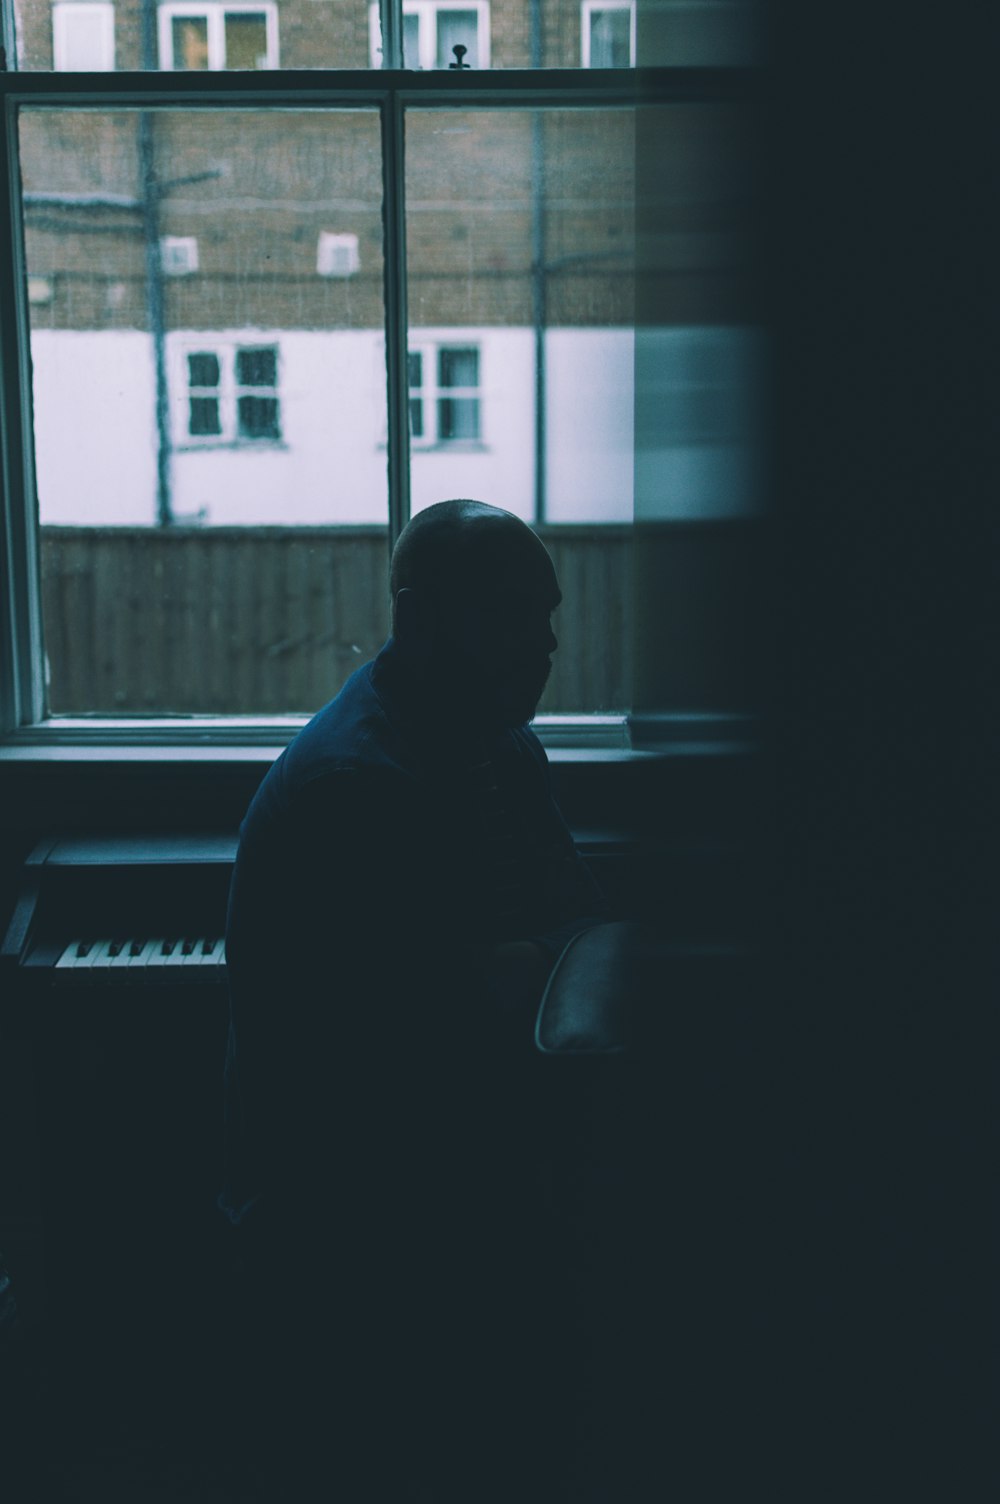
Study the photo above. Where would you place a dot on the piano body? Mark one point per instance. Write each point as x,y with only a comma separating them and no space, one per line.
112,977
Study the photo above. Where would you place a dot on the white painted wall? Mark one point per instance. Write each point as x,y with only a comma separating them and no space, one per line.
501,470
95,453
331,464
691,441
588,427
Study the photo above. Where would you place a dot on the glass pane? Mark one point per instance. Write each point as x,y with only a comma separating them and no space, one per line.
190,562
411,41
258,418
457,27
702,381
246,41
414,366
520,234
610,38
458,418
190,42
203,370
458,367
257,367
204,416
346,34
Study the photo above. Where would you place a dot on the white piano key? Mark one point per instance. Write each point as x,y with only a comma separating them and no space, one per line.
71,957
157,957
99,958
139,963
177,956
192,956
118,964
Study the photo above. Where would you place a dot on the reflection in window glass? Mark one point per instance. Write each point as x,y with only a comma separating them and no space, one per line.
209,448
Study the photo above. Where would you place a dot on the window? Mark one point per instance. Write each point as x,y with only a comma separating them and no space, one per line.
608,33
337,255
83,37
432,30
219,292
199,36
232,395
178,255
444,394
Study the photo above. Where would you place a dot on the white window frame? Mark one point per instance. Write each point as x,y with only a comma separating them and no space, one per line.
427,13
328,246
102,11
215,12
431,393
228,392
590,8
170,244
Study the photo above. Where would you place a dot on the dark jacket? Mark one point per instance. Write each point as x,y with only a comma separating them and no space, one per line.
365,899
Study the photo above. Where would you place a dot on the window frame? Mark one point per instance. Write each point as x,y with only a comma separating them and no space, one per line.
25,732
102,9
590,8
431,392
227,393
215,12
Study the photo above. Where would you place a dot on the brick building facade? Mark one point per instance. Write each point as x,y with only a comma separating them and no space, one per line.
235,258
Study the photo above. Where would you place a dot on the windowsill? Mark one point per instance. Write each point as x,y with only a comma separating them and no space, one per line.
215,445
446,446
241,740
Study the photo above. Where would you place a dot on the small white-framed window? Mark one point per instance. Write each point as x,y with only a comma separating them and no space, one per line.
607,34
431,31
337,255
445,388
178,255
231,395
195,35
83,36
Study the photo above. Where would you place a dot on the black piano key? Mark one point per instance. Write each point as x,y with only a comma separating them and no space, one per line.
208,947
115,947
187,947
167,948
83,949
135,949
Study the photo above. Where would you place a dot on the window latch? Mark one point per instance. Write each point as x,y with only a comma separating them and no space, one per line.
459,52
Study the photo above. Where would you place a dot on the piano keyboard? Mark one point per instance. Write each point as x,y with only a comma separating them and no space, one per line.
134,958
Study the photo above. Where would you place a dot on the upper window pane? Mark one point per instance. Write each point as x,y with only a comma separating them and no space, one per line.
193,35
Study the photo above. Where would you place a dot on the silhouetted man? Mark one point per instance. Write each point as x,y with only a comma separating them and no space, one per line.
403,886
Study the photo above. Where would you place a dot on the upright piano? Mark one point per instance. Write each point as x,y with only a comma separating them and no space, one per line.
113,993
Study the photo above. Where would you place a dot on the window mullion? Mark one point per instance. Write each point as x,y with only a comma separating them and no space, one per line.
398,391
391,19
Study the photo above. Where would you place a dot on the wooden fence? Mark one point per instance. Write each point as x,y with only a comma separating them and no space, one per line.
227,621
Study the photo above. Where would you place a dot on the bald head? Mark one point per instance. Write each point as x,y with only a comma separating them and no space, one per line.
453,546
472,590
